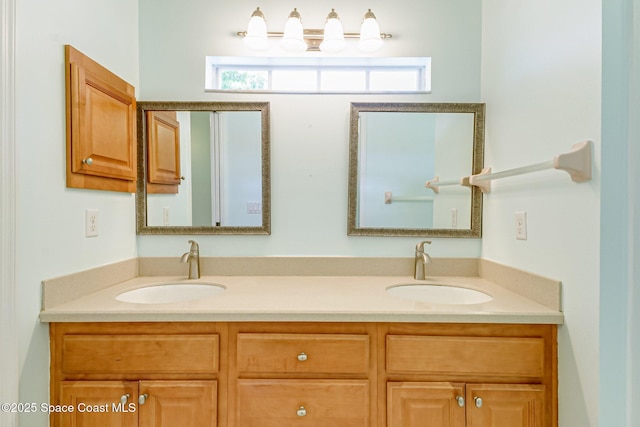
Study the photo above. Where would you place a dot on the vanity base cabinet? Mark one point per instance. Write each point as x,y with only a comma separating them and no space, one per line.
138,374
306,374
468,375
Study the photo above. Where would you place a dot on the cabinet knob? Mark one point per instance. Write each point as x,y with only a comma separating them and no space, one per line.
302,357
88,161
478,401
143,398
182,178
301,412
460,401
124,398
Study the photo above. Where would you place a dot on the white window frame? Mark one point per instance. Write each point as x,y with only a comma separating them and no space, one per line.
216,64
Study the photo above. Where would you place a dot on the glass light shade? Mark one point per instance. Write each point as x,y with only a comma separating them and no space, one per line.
369,34
333,40
293,38
256,37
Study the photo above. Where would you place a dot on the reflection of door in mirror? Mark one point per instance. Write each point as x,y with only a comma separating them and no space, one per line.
398,152
453,159
221,164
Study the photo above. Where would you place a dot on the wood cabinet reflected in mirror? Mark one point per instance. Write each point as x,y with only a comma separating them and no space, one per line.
163,152
394,149
203,168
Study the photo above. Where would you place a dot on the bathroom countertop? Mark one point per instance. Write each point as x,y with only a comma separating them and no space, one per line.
304,298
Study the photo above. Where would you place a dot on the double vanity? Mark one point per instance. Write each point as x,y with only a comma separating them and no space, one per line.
280,344
288,342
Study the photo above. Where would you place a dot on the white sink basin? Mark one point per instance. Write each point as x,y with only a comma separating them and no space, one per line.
171,292
439,294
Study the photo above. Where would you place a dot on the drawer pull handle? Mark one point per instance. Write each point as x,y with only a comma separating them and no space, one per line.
478,401
301,412
143,398
302,357
124,398
88,161
460,401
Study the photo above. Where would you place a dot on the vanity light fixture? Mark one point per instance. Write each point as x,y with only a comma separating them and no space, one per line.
295,38
370,37
333,40
256,35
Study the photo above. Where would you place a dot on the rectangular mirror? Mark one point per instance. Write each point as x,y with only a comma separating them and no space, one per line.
203,168
394,149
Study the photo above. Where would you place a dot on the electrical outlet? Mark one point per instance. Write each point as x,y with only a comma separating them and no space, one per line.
165,216
92,225
521,225
254,207
454,218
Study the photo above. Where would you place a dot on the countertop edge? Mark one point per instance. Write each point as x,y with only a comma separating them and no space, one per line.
513,318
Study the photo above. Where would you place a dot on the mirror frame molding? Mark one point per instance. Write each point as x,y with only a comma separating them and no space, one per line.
141,188
478,109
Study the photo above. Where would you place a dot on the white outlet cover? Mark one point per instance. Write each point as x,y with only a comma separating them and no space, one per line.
521,225
92,223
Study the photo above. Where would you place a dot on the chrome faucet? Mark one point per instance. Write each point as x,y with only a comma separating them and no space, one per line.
193,258
421,260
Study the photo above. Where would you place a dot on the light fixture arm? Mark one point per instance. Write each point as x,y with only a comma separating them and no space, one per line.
313,37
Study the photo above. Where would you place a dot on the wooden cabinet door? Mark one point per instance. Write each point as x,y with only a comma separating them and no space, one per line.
178,403
419,404
98,404
101,126
105,128
505,405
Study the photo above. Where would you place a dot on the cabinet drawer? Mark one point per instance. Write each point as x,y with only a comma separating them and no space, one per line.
303,353
278,403
448,355
136,354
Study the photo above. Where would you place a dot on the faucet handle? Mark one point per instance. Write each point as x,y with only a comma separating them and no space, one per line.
420,246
